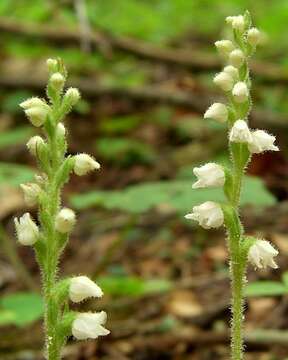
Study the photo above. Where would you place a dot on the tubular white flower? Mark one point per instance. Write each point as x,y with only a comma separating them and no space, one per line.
224,81
237,22
51,63
89,325
232,71
254,36
218,112
208,215
84,164
261,254
37,115
72,95
240,132
81,287
26,230
240,92
31,192
34,144
57,80
209,175
65,220
262,141
224,47
236,58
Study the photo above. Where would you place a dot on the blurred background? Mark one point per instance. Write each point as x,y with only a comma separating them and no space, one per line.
145,69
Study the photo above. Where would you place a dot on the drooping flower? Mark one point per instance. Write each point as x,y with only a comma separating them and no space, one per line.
240,92
34,144
261,254
84,164
236,58
262,141
232,71
224,47
224,80
65,220
218,112
240,132
26,230
237,22
254,36
209,175
81,287
89,325
208,215
31,192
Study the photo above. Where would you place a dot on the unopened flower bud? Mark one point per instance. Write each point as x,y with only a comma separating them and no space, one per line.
232,71
34,144
81,288
31,193
262,141
37,115
60,130
209,175
57,81
224,81
218,112
240,132
72,96
51,63
26,230
208,215
236,58
84,164
240,92
89,325
65,220
224,47
261,254
254,36
237,22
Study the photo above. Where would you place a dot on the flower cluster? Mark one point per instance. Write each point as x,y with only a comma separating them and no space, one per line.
235,82
50,234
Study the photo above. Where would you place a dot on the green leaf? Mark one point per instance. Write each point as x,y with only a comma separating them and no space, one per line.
177,194
265,288
132,286
21,308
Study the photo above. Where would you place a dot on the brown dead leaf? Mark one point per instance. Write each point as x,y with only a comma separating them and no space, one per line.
184,304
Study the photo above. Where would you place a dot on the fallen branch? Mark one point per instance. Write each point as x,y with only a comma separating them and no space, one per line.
91,89
106,43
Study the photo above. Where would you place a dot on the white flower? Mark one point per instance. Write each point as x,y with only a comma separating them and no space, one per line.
31,192
51,63
34,144
65,220
89,325
33,102
240,132
254,36
57,80
37,115
84,164
262,141
26,230
236,58
217,111
232,71
224,81
72,95
81,287
237,22
60,130
224,47
209,175
261,254
208,215
240,92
